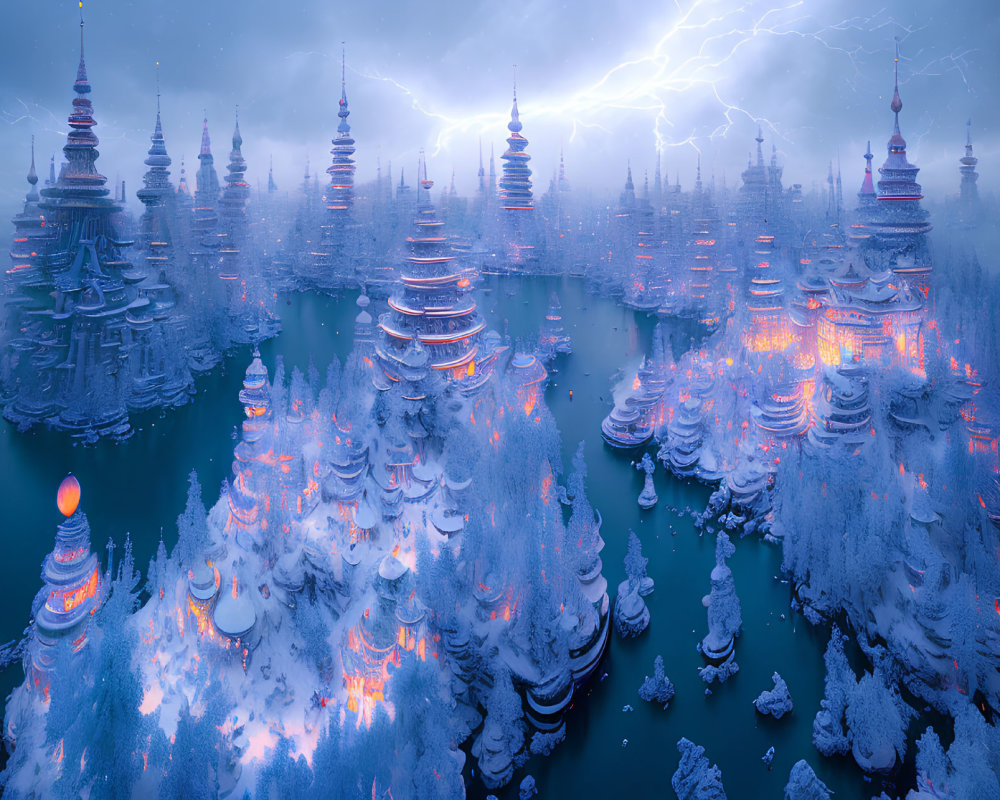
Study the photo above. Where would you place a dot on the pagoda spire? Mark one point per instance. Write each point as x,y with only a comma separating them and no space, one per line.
343,72
80,177
182,186
760,141
206,142
896,105
206,186
515,185
514,126
156,181
867,187
628,196
340,190
81,71
968,193
32,196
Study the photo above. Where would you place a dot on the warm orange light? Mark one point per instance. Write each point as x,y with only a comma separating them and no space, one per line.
68,496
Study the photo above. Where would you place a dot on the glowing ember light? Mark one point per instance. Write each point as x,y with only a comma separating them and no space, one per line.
68,496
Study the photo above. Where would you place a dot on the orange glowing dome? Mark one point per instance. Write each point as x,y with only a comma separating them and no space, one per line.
68,496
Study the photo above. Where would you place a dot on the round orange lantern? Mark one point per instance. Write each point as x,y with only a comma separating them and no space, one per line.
68,496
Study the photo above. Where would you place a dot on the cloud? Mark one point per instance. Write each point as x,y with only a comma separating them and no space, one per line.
603,84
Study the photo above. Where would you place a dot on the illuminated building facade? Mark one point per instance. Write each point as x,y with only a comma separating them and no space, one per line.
432,318
71,591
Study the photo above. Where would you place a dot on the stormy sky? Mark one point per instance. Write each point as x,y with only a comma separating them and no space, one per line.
605,81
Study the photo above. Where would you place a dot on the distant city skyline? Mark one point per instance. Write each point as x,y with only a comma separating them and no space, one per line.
604,90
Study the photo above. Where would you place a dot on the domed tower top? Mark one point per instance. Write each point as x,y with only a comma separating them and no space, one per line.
897,144
32,178
514,126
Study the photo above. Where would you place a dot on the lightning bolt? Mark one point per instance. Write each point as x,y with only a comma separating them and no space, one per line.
25,111
694,61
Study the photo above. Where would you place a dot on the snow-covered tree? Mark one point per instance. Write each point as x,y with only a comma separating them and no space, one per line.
110,732
829,728
877,718
695,778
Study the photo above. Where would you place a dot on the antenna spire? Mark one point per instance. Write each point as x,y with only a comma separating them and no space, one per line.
896,105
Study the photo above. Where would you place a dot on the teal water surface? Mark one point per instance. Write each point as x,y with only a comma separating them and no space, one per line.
140,486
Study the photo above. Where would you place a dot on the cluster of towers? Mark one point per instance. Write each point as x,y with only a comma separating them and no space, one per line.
105,318
812,309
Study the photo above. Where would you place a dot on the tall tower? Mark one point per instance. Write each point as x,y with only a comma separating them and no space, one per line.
158,334
867,202
272,187
340,192
968,192
334,265
899,225
238,268
72,585
29,234
155,191
233,209
73,343
432,323
206,197
515,185
754,202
